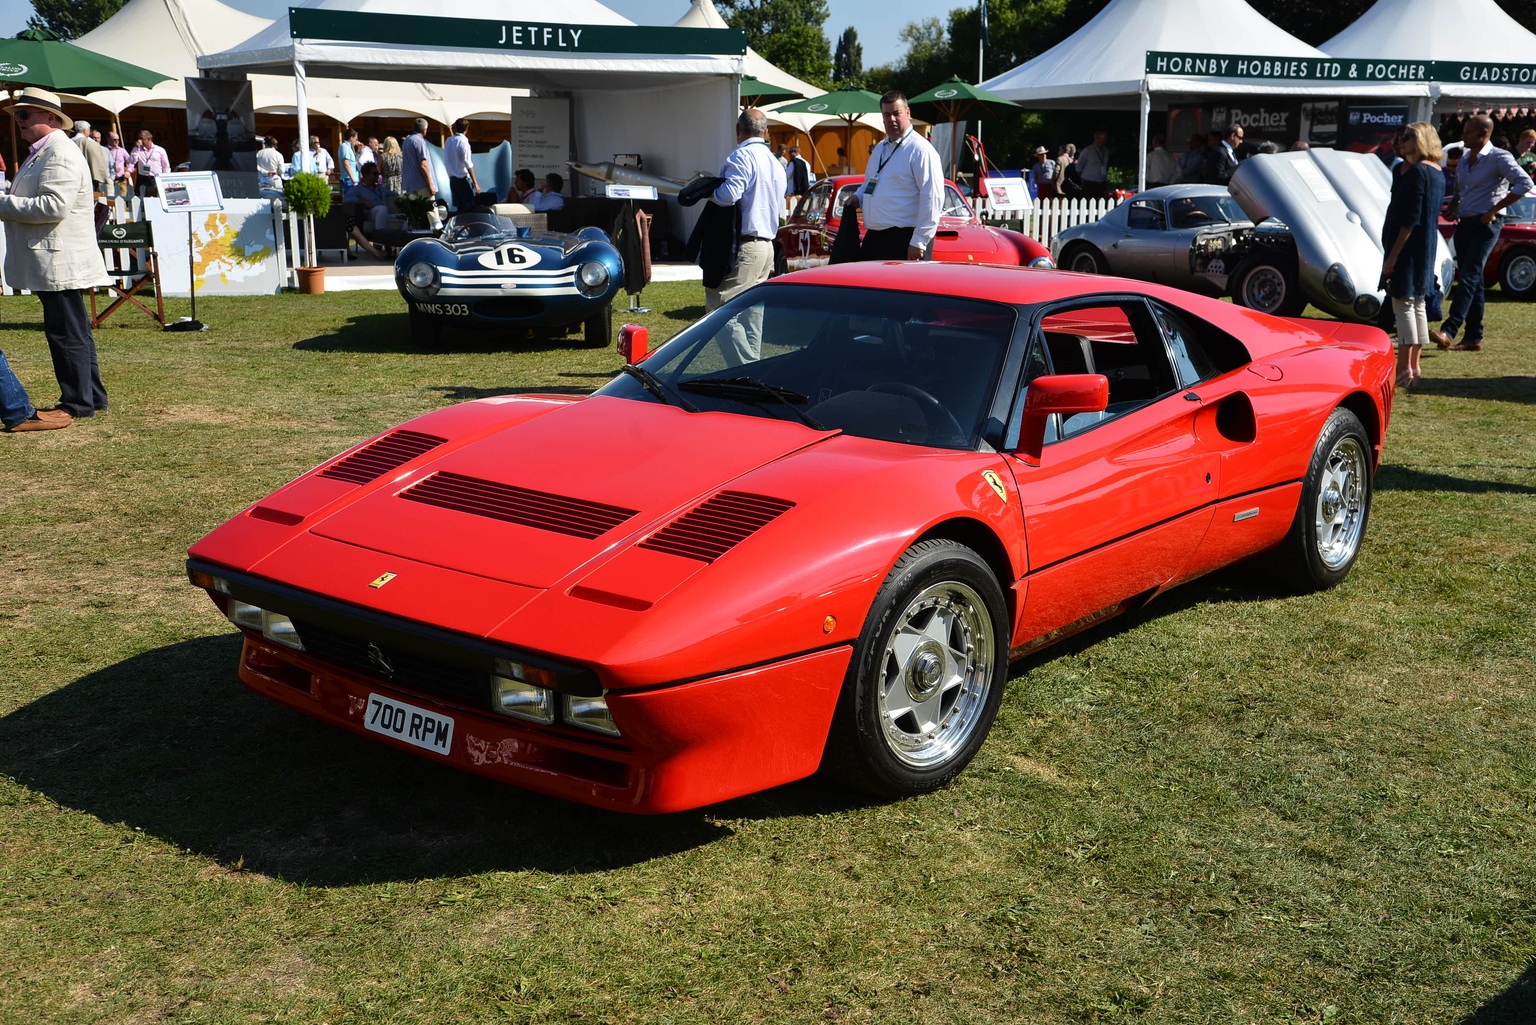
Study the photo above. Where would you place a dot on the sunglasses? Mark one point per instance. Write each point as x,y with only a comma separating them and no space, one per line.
23,114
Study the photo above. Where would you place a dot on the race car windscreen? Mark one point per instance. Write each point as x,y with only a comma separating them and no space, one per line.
894,366
1200,211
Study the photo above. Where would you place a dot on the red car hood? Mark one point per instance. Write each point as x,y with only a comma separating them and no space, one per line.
533,502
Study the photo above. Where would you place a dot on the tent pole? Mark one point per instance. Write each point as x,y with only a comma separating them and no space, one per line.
1141,151
301,102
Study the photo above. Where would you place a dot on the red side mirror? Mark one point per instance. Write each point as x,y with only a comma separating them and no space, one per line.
634,343
1062,393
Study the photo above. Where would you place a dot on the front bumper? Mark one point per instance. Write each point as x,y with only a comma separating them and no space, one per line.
683,746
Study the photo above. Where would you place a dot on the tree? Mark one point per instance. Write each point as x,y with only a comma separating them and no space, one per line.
786,32
72,18
848,61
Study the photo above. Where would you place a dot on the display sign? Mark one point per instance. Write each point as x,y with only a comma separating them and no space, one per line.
233,251
614,191
1007,193
541,134
190,192
1373,129
1335,69
484,33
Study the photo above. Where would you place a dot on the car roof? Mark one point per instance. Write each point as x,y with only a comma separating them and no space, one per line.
1166,192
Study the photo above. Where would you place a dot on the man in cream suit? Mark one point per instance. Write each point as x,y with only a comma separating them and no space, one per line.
50,245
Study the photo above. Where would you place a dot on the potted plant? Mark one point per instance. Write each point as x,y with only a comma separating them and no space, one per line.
308,196
416,208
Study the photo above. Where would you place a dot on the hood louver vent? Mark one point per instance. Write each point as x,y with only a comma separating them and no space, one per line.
717,526
539,509
374,461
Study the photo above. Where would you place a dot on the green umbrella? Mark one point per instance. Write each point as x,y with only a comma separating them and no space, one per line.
952,99
846,104
755,91
38,57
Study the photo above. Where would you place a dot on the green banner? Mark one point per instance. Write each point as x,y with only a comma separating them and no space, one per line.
1335,69
537,37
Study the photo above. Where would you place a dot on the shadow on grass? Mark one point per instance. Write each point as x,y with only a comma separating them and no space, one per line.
1515,1006
687,314
391,332
1515,388
1392,477
169,742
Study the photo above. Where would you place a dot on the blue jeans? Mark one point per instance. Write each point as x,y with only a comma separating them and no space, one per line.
1474,241
14,404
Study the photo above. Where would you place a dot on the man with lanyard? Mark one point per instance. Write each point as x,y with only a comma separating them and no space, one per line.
903,189
1488,180
753,182
458,161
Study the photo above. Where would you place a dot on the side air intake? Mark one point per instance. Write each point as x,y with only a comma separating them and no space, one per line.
720,524
374,461
575,516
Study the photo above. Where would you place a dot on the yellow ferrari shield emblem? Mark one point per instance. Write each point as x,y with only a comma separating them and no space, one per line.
384,578
996,483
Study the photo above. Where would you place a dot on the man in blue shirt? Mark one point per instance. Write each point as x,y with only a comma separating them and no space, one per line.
415,166
1488,180
753,182
348,153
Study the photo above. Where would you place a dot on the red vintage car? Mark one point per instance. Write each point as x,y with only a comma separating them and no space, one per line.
1512,264
810,531
962,238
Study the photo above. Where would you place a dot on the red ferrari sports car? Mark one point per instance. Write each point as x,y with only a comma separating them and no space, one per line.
962,238
810,531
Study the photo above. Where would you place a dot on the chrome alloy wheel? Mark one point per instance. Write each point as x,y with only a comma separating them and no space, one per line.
1341,503
935,673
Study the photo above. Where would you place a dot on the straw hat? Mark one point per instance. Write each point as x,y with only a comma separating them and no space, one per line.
42,99
1040,149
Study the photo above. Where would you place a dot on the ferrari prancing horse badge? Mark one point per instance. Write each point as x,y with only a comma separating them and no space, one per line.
996,483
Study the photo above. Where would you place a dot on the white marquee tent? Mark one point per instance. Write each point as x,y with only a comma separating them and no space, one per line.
1443,30
676,109
168,35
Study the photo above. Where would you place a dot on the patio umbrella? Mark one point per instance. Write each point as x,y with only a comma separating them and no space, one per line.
38,57
951,100
755,92
845,105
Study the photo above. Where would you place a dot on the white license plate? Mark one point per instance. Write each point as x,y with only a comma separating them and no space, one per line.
431,730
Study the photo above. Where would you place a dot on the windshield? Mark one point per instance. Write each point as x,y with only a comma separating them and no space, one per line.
1522,210
894,366
477,225
1199,211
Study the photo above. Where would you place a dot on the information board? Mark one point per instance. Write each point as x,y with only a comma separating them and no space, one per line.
541,135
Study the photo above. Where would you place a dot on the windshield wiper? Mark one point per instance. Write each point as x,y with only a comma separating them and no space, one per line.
750,388
656,387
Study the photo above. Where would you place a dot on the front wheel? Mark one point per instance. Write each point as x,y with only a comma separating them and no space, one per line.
1325,537
597,329
1268,288
1517,275
926,677
1084,259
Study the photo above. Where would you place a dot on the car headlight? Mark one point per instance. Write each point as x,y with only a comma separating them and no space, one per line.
592,278
274,626
1043,263
1338,284
590,714
1367,306
422,277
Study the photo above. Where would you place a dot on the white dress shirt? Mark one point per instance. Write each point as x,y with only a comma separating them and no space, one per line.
456,156
755,180
909,188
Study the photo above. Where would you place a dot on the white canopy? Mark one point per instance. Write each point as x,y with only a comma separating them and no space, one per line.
1102,66
1442,30
168,35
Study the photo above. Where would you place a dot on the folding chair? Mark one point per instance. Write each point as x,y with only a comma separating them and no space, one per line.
132,279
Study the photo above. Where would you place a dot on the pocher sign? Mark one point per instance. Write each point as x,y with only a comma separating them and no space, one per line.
490,34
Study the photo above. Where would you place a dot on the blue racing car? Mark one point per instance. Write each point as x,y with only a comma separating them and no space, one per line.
485,272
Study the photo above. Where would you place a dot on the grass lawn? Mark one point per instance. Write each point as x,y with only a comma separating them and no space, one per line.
1233,807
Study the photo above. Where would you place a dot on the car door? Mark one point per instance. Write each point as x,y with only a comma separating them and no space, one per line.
807,238
1121,499
1143,249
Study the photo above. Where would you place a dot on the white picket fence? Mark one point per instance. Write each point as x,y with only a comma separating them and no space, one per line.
1049,216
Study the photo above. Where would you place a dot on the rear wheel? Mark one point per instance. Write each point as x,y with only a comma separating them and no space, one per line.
597,329
1517,275
1084,259
926,677
1325,537
426,330
1268,287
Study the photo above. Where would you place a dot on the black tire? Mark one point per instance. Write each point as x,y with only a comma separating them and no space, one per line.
1084,259
1269,287
914,710
597,330
1325,537
426,330
1517,274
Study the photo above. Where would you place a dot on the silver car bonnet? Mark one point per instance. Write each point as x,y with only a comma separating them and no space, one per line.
1335,203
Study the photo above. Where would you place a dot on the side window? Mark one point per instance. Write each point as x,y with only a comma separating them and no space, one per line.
1120,341
1198,354
954,206
1146,215
814,205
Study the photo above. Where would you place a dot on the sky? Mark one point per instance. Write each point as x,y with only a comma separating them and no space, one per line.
878,21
